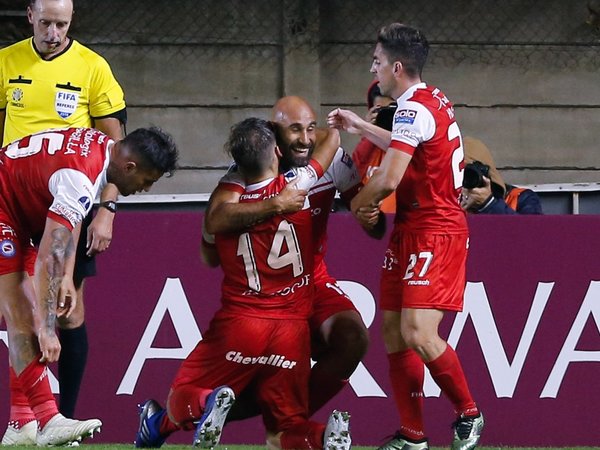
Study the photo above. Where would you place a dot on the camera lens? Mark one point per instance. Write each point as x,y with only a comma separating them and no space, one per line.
471,177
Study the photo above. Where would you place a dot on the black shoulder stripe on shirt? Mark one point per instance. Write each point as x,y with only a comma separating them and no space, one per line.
19,80
121,115
69,87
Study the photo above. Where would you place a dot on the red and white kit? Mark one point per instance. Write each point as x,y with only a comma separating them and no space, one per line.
55,174
424,265
261,335
341,176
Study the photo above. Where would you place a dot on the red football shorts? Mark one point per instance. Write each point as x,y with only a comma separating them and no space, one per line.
424,271
16,254
273,355
329,298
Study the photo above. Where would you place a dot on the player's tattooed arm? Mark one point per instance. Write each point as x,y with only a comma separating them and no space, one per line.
51,267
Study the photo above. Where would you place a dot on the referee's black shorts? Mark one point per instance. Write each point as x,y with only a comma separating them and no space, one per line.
85,266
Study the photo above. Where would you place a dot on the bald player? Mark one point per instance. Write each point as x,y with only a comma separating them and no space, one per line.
339,336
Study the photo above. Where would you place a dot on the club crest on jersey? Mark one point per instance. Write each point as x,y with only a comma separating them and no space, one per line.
85,202
405,116
65,103
7,248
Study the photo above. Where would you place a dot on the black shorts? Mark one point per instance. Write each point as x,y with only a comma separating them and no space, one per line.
85,266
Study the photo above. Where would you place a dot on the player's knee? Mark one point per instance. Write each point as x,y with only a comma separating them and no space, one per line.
349,337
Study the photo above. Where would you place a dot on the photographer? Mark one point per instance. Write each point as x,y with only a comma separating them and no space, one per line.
366,155
484,190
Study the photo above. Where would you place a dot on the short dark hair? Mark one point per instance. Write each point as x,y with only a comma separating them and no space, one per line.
156,148
405,44
250,144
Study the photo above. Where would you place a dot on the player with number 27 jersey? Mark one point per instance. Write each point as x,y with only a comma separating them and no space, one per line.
427,197
424,265
269,266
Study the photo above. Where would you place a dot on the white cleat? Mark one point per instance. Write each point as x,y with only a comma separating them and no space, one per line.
63,431
337,432
20,436
467,431
399,442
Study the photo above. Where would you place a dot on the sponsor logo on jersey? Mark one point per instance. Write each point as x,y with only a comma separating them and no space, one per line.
270,360
7,248
85,202
405,116
251,196
72,216
418,282
65,103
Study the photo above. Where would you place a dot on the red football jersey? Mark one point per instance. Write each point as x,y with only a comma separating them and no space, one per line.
56,174
269,267
427,198
341,176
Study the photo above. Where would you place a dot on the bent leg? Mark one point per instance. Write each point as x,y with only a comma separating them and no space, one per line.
339,342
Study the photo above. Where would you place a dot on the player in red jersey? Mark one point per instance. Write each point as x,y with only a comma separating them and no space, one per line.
339,337
260,335
48,182
424,268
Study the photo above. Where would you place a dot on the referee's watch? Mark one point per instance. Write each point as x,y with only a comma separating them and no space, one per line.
110,205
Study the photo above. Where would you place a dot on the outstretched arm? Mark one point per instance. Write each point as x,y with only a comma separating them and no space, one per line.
349,121
328,141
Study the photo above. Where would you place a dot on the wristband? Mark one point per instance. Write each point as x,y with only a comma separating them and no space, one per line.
110,205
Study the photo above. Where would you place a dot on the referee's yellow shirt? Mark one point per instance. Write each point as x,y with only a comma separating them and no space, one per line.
69,90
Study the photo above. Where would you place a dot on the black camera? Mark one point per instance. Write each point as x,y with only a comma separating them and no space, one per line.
474,173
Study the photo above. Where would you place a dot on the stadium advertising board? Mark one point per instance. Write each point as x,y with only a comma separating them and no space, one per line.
528,337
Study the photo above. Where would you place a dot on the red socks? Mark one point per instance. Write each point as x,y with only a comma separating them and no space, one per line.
36,387
20,412
186,404
305,436
322,387
407,374
447,372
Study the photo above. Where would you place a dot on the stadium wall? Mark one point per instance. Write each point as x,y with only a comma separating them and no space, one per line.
524,76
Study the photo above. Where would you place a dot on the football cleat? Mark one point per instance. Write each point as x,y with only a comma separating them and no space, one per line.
337,432
467,431
210,425
63,431
148,434
399,442
16,435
